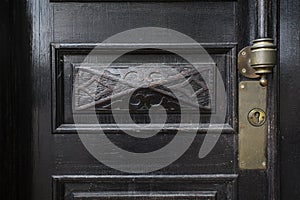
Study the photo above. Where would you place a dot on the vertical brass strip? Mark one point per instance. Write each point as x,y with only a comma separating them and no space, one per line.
252,139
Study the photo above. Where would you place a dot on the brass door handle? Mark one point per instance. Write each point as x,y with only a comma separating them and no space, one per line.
258,60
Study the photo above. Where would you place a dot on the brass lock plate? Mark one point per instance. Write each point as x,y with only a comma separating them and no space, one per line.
252,131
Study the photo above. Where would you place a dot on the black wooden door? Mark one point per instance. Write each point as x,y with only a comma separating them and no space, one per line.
64,32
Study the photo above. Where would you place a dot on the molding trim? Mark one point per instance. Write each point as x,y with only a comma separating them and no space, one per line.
200,187
60,50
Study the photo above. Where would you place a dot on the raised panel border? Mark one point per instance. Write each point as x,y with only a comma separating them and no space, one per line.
65,185
201,195
91,1
58,50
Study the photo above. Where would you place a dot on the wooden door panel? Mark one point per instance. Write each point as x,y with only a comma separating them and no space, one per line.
67,57
76,159
46,40
201,187
76,27
67,32
89,23
95,22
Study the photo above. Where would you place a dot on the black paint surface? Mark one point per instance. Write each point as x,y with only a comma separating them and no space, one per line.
27,143
290,99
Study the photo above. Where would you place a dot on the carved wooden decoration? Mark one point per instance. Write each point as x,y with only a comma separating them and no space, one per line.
150,84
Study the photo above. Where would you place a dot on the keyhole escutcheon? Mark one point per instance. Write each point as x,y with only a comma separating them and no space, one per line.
257,117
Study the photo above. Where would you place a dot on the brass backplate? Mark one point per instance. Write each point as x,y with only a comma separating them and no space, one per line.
252,139
244,63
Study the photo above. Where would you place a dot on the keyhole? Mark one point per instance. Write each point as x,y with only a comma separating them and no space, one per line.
256,116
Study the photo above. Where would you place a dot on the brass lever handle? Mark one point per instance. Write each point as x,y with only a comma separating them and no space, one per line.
258,60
